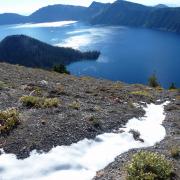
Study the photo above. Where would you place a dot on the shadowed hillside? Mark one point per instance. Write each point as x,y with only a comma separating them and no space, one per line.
118,13
24,50
132,14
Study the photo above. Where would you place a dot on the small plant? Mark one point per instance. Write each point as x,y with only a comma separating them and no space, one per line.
75,105
117,86
85,78
172,86
149,166
39,102
38,91
152,81
175,152
131,105
141,93
95,122
60,68
2,85
50,102
159,88
9,119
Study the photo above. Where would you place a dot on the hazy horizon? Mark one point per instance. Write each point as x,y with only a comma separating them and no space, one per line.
28,7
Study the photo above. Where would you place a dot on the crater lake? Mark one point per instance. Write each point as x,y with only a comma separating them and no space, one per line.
128,54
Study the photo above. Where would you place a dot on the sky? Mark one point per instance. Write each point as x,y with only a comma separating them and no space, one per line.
28,6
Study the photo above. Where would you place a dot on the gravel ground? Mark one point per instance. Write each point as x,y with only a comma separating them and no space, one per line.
117,170
103,106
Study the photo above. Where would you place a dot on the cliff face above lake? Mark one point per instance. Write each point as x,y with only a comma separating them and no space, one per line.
55,109
122,13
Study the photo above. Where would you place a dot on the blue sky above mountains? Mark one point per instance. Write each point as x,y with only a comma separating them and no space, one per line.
26,7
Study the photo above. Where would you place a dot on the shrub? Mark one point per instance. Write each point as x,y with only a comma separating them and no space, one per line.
159,88
75,105
172,86
50,102
141,93
38,91
9,119
117,86
131,105
60,68
2,85
149,166
39,102
153,82
175,152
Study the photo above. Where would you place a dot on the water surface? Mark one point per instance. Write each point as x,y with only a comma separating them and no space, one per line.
127,54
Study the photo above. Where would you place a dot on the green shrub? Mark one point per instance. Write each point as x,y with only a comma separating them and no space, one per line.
172,86
38,91
152,81
141,93
9,119
60,68
2,85
50,102
175,152
39,102
75,105
149,166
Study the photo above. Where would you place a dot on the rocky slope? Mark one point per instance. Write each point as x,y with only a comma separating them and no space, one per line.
87,107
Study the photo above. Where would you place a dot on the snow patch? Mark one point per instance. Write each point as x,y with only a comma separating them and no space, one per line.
83,159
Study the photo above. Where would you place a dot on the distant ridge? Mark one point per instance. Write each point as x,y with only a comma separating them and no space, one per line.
161,6
58,13
12,18
120,12
137,15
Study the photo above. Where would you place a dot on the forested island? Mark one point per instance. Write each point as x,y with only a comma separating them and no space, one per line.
27,51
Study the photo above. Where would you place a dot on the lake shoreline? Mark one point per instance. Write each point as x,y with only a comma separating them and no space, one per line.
129,55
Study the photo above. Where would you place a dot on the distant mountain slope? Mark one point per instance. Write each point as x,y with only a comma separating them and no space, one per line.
132,14
68,12
118,13
161,6
58,13
123,13
24,50
95,9
11,18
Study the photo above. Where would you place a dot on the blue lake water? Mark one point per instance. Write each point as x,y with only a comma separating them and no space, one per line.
127,54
